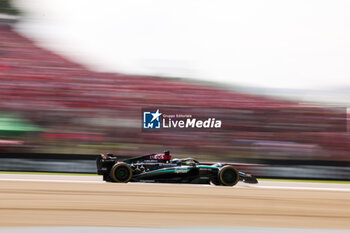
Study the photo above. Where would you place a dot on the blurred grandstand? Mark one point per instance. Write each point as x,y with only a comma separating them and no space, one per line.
51,105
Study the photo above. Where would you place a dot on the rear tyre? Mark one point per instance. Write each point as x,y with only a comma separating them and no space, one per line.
228,176
121,173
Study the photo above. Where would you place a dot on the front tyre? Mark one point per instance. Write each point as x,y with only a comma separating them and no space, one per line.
121,173
228,176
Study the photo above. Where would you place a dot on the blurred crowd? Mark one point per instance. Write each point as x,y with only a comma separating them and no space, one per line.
62,107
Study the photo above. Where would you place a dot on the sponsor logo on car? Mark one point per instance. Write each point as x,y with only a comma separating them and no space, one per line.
181,170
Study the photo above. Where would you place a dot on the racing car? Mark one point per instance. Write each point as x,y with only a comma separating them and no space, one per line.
161,168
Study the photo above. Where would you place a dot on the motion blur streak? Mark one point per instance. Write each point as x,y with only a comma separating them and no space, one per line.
288,44
62,104
155,205
53,105
168,230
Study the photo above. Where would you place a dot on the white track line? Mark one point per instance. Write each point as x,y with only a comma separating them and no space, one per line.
53,180
304,188
239,186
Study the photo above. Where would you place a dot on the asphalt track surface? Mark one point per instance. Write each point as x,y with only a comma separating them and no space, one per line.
66,201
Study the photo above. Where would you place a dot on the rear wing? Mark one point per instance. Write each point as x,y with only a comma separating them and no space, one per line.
108,157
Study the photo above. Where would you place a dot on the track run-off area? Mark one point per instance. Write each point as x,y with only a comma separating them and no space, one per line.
32,200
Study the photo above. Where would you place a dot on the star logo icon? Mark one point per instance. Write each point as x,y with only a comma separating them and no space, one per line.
156,115
151,119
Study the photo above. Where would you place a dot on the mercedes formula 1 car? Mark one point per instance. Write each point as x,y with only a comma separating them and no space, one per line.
161,168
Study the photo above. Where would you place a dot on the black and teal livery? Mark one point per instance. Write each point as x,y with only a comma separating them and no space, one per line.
161,168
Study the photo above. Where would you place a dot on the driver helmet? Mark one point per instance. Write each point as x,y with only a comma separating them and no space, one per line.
167,155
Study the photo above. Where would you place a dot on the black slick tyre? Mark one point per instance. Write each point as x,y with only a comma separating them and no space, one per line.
121,173
228,176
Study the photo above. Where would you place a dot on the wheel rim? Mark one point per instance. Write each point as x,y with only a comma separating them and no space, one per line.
229,176
122,173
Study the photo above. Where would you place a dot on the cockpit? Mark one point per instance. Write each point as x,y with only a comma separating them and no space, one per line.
185,162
